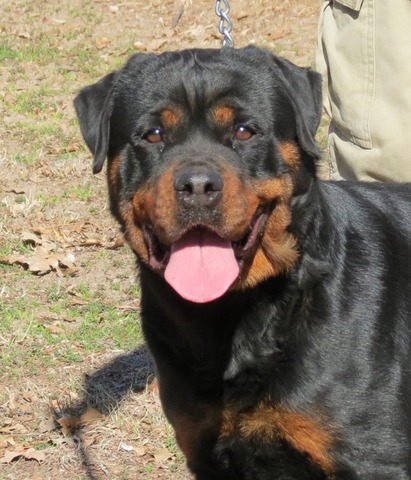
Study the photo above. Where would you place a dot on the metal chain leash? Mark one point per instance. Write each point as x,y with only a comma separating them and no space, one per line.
225,25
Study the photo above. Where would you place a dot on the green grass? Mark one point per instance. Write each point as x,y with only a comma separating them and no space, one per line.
7,52
83,290
93,327
29,158
54,293
7,318
102,325
39,52
171,444
149,468
35,130
47,200
83,193
31,101
23,248
5,250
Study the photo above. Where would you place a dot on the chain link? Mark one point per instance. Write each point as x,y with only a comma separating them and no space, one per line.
225,25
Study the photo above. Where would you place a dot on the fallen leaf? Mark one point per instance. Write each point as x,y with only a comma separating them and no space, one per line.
162,455
102,42
54,329
26,396
52,149
69,320
30,237
74,147
59,441
29,454
69,424
39,262
42,261
9,456
17,191
32,454
43,240
91,242
12,259
14,428
79,302
90,414
141,451
154,45
47,425
118,243
65,260
277,35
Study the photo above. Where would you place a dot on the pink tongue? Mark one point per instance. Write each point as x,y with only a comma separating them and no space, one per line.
202,266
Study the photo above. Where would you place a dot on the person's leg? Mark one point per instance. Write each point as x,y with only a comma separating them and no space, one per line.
365,57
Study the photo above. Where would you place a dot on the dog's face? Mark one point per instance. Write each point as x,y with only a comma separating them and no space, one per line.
204,150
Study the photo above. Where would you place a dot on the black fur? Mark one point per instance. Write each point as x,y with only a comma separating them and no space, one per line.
328,338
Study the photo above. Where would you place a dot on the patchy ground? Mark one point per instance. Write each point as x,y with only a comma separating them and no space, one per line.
75,400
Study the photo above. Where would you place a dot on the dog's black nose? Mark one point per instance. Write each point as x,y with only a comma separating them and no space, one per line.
198,187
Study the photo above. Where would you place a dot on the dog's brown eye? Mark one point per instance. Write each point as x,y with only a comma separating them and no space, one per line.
243,133
154,136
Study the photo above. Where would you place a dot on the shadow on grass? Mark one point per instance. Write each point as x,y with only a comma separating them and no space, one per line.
103,390
108,385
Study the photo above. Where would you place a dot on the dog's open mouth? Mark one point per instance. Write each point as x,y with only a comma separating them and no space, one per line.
201,265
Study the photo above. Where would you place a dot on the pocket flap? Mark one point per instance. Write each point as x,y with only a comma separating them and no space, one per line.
352,4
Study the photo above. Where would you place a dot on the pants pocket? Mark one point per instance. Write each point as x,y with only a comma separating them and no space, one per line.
346,58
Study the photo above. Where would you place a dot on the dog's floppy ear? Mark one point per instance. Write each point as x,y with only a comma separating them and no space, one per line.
94,106
304,89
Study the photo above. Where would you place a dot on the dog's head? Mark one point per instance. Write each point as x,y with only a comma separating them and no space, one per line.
205,150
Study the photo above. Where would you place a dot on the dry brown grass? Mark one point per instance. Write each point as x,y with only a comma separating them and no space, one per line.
68,338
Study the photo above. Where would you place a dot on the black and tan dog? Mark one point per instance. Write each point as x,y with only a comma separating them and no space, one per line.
277,306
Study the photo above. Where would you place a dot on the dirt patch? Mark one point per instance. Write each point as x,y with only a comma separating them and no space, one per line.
69,299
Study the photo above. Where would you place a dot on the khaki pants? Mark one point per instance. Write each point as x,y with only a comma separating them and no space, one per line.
364,54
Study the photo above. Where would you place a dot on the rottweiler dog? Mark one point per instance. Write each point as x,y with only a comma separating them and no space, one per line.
277,306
